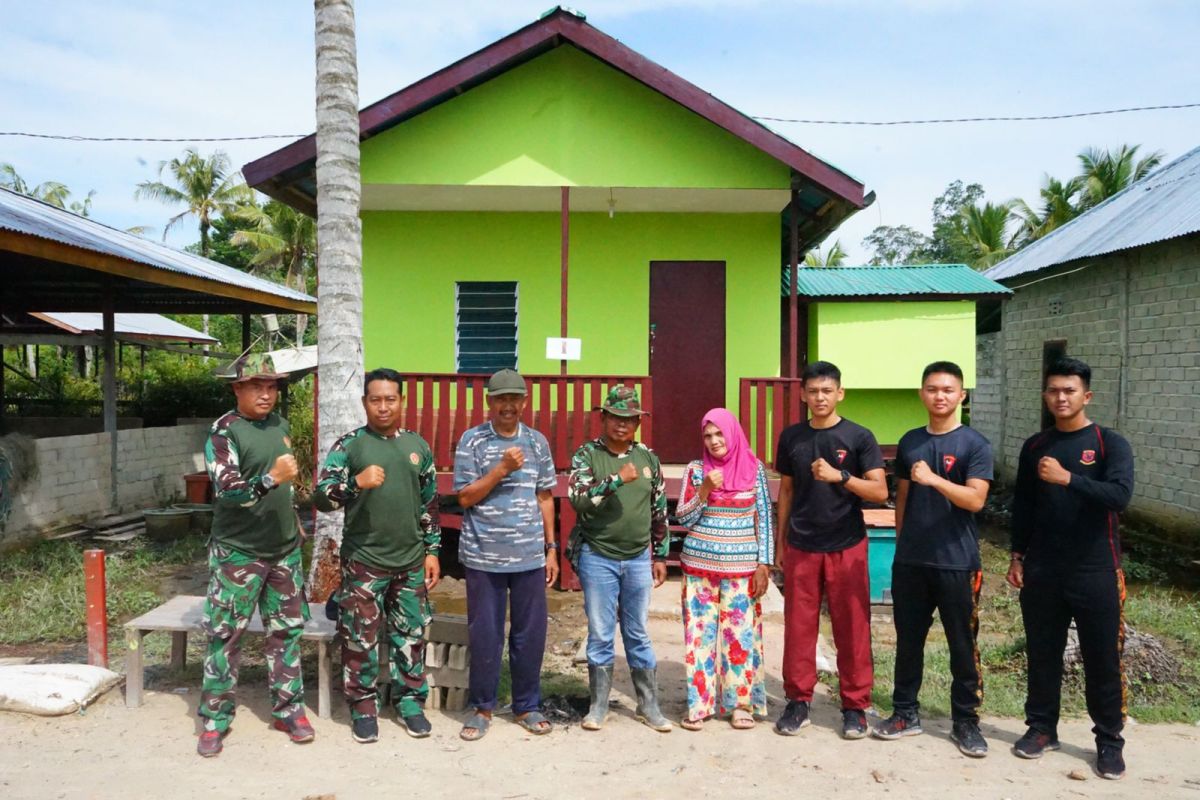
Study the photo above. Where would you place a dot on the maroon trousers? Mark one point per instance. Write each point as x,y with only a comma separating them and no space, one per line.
843,579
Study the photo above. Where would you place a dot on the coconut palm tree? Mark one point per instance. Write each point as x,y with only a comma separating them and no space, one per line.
339,256
282,238
984,231
1058,207
53,192
835,256
1103,173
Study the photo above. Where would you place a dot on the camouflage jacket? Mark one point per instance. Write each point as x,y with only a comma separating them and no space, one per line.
594,479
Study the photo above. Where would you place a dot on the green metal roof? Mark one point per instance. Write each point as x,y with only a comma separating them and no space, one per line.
933,280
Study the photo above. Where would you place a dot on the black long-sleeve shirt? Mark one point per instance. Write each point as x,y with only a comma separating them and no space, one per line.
1072,527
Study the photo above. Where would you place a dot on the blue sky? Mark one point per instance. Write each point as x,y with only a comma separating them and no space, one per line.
167,68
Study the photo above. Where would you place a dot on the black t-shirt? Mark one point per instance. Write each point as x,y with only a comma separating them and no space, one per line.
826,517
1072,527
934,531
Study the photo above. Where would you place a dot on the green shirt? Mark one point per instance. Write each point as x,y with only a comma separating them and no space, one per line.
247,516
392,526
619,520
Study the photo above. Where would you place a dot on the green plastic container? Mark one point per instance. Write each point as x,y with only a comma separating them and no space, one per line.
881,549
202,516
167,524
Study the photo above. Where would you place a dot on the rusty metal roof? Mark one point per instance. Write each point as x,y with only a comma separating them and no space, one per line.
1163,205
894,282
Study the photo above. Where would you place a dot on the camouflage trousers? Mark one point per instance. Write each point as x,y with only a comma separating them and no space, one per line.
376,602
240,583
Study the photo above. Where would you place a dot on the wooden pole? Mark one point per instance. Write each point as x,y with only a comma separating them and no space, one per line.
565,215
245,332
110,389
96,593
793,312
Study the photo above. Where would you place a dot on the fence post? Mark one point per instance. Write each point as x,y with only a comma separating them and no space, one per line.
97,607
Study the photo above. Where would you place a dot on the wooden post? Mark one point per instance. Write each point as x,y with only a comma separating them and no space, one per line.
110,390
565,214
793,312
97,607
245,332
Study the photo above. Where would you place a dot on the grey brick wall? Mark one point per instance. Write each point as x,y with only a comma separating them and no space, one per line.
987,397
1134,316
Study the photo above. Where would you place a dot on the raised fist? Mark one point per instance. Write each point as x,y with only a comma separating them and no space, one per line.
370,478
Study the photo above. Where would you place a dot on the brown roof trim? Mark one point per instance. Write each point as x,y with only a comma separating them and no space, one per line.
268,173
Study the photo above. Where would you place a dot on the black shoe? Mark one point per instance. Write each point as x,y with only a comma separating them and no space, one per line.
898,726
416,725
1110,762
965,733
1034,743
793,718
365,730
854,723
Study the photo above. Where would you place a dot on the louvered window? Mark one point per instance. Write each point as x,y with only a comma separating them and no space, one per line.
485,337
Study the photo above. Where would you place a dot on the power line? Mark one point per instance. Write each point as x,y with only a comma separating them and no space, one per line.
1038,118
943,121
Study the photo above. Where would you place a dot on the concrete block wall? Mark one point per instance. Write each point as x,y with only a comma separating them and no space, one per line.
1134,316
987,398
74,480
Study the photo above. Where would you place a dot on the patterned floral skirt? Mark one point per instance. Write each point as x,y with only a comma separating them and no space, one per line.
723,647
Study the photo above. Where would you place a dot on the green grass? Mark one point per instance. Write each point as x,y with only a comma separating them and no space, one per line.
42,590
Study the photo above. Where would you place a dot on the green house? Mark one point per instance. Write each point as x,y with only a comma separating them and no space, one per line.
559,203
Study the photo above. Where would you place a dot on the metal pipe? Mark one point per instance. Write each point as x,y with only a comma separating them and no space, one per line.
96,593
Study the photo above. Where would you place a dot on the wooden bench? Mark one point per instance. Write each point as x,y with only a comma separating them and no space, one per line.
182,615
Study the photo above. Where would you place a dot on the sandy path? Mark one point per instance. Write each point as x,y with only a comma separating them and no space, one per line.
148,752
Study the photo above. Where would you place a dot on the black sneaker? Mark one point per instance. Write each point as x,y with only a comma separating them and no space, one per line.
416,725
1034,743
793,718
898,726
1110,762
854,723
365,730
965,733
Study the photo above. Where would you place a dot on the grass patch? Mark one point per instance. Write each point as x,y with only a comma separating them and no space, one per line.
42,591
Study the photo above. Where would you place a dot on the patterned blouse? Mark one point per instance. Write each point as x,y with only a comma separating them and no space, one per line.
729,539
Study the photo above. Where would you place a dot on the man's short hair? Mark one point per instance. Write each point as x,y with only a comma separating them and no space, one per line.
820,369
383,374
946,367
1068,367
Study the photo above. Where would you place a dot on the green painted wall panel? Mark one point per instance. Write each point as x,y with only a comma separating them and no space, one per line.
888,413
565,118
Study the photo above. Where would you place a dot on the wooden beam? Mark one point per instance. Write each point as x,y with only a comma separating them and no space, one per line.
245,332
110,388
793,289
565,219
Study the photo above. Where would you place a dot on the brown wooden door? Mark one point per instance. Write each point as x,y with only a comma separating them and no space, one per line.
687,352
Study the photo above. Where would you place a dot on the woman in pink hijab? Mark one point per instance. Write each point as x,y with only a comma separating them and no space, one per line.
726,560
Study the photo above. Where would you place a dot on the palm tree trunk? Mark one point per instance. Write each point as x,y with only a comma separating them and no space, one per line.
339,259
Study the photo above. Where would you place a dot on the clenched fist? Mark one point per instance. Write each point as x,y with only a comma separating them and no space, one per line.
921,473
628,473
513,460
370,478
1051,471
713,481
822,470
284,469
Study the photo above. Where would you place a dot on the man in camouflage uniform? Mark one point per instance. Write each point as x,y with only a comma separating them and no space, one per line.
385,479
616,486
254,556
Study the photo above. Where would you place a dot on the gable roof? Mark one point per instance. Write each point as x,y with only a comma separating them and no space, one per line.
924,281
288,173
1163,205
134,326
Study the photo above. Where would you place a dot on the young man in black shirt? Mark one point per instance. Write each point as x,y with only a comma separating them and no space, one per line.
828,466
943,471
1072,481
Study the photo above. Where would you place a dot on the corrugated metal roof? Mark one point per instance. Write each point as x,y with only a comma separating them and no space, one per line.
32,217
150,326
922,279
1163,205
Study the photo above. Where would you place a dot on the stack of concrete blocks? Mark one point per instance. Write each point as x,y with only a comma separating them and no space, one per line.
447,661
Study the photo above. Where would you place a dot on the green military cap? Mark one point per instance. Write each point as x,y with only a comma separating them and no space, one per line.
506,381
251,367
623,401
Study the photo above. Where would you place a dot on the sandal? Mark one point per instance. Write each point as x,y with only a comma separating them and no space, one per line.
692,724
475,727
741,719
534,722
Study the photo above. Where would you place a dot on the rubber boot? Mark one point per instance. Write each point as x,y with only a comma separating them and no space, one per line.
645,683
599,686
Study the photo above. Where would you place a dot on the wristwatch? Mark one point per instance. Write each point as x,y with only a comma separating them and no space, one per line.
268,482
845,476
551,545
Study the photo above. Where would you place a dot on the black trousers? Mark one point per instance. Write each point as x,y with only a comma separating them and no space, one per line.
1050,600
916,593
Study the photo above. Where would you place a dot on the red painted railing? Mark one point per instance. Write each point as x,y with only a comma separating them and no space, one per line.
440,406
768,405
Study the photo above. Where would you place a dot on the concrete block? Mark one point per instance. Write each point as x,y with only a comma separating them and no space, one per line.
436,654
456,699
459,657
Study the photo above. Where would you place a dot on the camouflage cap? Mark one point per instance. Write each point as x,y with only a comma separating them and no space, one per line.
251,366
622,401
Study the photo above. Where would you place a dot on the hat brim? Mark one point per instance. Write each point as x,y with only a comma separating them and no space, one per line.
621,412
501,392
262,376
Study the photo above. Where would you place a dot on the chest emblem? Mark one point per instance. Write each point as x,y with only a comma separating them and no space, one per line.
414,458
841,456
948,462
646,472
1087,457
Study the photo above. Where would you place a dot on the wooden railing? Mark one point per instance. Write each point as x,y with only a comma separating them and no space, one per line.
768,405
441,406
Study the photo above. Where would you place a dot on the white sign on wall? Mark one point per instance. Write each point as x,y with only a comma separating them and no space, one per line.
563,349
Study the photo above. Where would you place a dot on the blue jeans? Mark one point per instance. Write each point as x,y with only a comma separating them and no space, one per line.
608,585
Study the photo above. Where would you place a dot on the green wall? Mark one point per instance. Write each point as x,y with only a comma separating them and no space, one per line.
566,119
888,413
411,261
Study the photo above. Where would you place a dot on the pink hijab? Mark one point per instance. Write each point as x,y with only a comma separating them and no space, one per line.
739,465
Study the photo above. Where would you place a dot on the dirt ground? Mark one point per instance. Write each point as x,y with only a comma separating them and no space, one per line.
111,751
